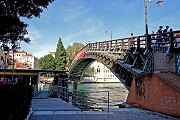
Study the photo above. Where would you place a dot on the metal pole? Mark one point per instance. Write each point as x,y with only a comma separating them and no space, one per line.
146,27
111,35
108,101
13,67
4,66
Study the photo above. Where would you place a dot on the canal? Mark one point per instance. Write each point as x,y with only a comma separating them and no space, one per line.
95,95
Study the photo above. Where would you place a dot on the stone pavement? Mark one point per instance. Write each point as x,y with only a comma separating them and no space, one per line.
47,109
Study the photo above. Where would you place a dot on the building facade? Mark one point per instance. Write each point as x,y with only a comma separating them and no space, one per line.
100,73
23,60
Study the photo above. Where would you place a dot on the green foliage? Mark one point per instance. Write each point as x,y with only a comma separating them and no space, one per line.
57,63
47,62
60,56
72,50
12,28
89,72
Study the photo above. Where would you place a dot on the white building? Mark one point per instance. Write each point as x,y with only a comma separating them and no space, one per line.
23,60
100,74
52,53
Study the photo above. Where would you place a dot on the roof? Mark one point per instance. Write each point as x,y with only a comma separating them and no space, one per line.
30,71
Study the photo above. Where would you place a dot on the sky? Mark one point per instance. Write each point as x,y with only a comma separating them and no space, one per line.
86,21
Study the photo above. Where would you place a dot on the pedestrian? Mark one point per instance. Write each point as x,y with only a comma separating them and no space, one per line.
177,40
160,31
131,42
165,34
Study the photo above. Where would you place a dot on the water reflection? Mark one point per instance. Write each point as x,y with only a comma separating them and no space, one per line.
95,95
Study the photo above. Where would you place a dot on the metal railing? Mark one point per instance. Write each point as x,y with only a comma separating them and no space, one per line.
64,93
84,99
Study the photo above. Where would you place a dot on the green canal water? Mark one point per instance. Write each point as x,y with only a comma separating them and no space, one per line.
96,94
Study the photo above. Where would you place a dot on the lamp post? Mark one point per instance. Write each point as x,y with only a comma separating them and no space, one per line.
159,3
146,28
110,34
14,48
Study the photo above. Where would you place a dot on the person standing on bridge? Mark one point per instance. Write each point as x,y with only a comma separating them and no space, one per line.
165,34
159,32
131,42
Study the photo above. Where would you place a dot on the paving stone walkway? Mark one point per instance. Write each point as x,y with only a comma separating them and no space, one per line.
56,109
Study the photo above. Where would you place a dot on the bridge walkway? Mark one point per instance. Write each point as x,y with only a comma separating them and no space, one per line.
57,109
45,108
52,104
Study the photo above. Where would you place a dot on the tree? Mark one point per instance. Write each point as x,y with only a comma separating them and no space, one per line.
72,50
60,56
12,29
47,62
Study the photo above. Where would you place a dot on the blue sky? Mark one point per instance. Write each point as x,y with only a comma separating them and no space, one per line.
87,20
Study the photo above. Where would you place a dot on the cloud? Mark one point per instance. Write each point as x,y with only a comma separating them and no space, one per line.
33,34
72,13
41,50
88,29
71,9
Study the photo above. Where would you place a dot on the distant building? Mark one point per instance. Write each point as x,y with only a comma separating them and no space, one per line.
23,60
52,53
18,54
100,74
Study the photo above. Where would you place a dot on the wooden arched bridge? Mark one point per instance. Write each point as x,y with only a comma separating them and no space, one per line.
149,67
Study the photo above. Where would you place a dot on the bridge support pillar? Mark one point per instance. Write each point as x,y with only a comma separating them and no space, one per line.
156,93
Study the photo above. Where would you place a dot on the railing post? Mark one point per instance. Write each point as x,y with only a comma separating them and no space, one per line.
115,46
107,46
98,46
66,96
60,87
171,45
74,91
110,46
148,45
108,101
136,52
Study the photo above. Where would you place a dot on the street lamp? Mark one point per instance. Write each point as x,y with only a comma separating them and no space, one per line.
106,32
14,48
159,3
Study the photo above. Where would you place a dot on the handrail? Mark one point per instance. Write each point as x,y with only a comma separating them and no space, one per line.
122,44
131,50
78,98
